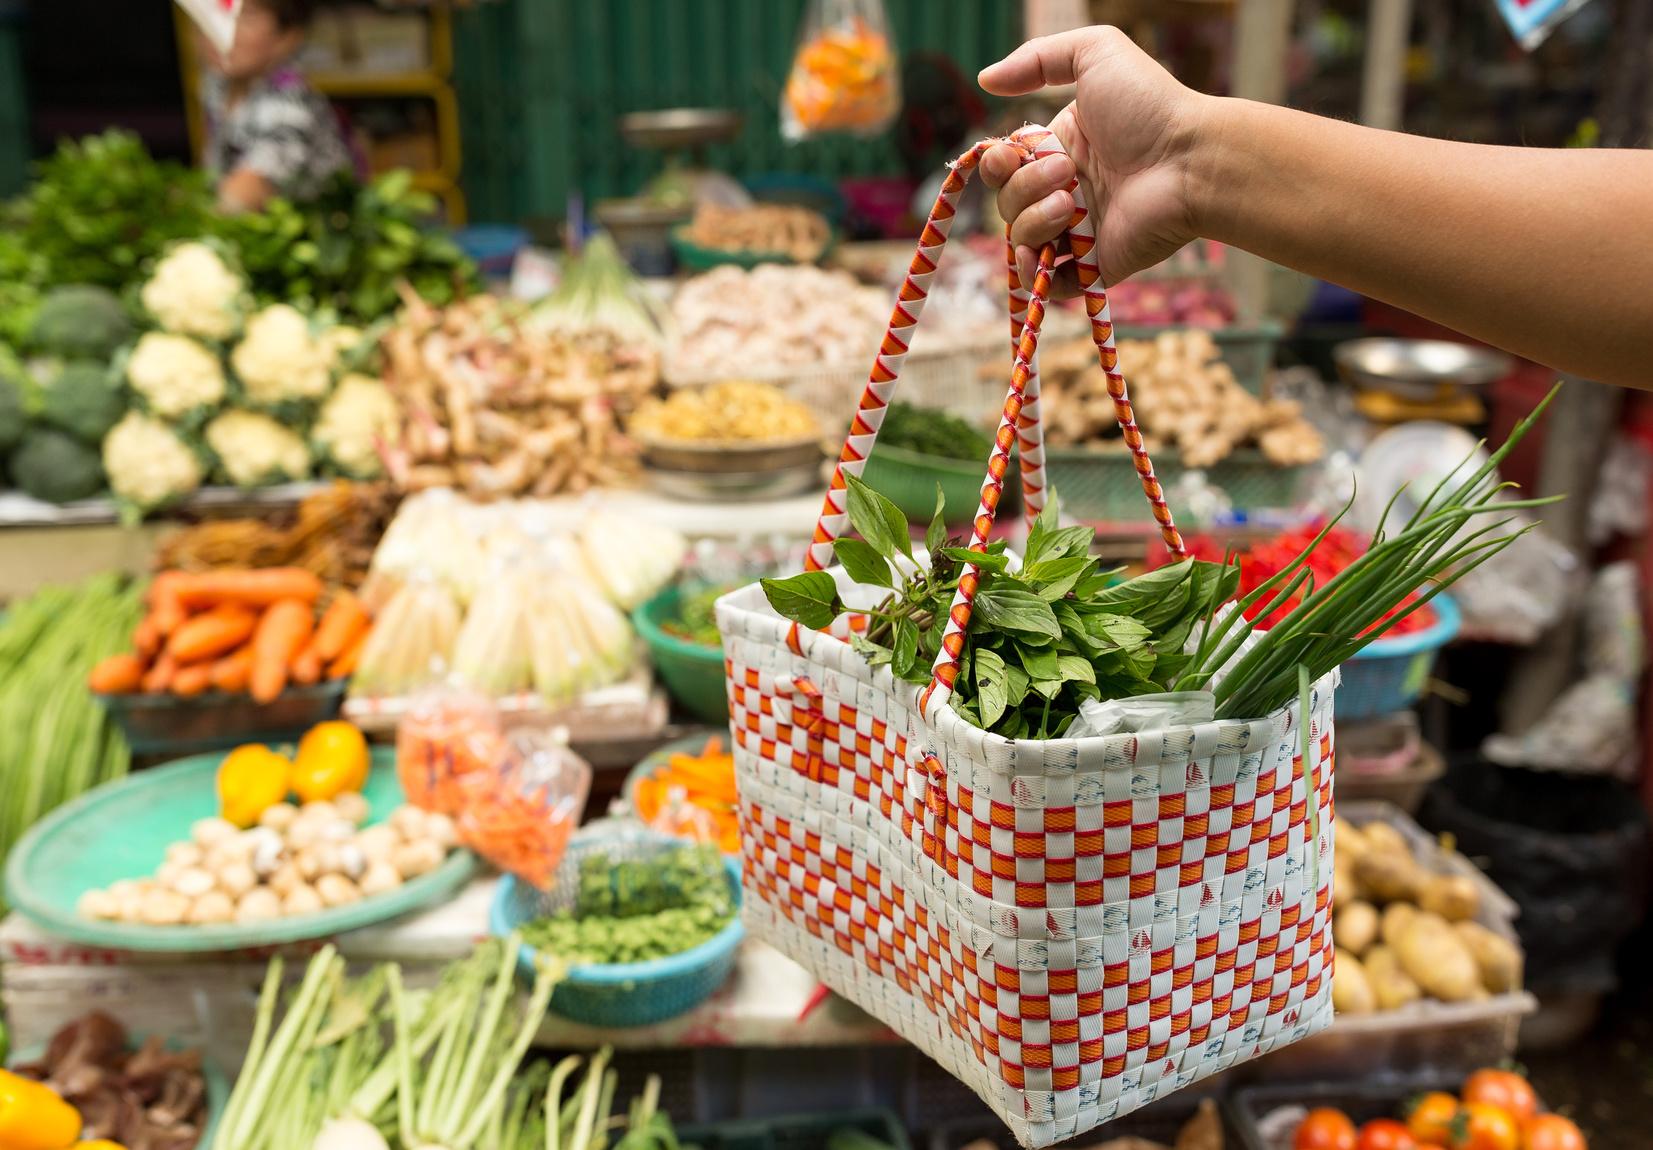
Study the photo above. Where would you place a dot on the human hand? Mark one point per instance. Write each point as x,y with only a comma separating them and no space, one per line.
1129,133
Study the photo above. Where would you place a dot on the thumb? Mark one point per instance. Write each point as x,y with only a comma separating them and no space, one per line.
1040,63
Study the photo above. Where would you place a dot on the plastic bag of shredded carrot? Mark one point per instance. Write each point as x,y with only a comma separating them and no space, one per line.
520,814
844,74
448,732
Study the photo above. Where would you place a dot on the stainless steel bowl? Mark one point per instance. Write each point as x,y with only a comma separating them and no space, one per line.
1419,368
680,127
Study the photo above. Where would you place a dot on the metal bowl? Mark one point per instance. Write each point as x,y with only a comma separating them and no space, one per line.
1419,368
680,127
724,457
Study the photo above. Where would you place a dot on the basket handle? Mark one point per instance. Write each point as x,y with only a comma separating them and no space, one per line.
1019,420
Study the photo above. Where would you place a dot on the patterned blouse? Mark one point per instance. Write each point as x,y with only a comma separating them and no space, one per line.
282,129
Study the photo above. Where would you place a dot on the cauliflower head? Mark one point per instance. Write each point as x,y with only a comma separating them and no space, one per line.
337,344
279,359
174,374
359,414
193,291
147,463
255,449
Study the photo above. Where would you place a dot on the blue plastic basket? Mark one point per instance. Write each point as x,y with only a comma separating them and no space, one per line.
1390,674
621,994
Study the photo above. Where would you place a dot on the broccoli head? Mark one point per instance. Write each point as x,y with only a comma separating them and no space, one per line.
56,467
79,321
84,400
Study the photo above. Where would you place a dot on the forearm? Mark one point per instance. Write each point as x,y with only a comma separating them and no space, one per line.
1526,249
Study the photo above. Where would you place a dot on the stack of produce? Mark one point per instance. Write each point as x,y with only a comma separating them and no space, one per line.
1180,302
331,534
601,296
1406,933
1185,398
265,857
56,408
734,411
237,631
704,782
1496,1109
498,407
787,230
55,741
151,1098
731,321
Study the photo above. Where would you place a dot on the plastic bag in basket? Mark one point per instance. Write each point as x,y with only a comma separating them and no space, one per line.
520,813
843,76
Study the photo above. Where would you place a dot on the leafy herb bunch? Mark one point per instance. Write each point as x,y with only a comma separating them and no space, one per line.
1042,639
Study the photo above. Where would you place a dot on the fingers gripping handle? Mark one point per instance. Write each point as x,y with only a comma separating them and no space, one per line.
1019,421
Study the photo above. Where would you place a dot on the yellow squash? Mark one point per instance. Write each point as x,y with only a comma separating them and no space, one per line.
251,779
33,1117
332,759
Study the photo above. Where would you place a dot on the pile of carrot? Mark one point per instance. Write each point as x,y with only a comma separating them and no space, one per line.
706,781
238,631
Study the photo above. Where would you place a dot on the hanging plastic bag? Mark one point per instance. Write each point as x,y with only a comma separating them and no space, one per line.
449,731
844,73
1532,21
216,18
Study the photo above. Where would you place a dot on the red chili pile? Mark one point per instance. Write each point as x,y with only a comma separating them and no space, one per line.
1263,560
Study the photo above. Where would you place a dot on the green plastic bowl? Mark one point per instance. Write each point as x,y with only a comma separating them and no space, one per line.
693,673
692,256
908,479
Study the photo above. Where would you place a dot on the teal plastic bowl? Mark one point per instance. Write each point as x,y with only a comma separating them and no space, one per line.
692,256
614,995
908,479
692,672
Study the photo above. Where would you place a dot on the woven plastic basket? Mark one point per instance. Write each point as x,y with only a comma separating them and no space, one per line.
1073,927
1390,673
620,994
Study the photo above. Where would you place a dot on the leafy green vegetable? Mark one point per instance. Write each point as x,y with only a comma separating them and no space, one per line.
931,432
696,616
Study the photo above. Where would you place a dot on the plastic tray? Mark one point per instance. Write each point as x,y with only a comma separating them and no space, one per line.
1246,1110
164,724
122,829
802,1132
1427,1037
1385,760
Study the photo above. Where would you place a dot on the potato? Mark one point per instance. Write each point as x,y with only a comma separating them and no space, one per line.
1496,957
1432,953
1381,838
1345,883
1351,841
1352,991
1454,897
1391,985
1356,927
1395,917
1388,876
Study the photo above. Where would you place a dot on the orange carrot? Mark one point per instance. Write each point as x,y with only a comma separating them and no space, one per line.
232,671
306,668
192,680
250,588
344,617
146,637
159,675
117,675
209,635
165,605
345,664
281,634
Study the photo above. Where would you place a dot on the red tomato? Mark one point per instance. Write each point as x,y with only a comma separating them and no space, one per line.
1431,1117
1385,1134
1325,1129
1486,1128
1504,1089
1551,1132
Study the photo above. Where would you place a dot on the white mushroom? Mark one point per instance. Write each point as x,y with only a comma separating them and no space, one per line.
352,862
128,895
416,858
302,899
285,878
379,878
409,822
315,861
167,873
162,907
99,904
337,831
206,832
439,828
279,817
268,853
303,833
213,907
336,890
192,882
237,879
186,854
258,905
377,842
320,810
351,807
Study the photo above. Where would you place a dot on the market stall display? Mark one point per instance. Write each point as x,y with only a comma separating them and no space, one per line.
751,235
732,320
151,864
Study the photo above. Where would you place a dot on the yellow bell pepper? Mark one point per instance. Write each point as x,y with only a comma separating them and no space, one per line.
332,759
251,779
33,1117
98,1144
